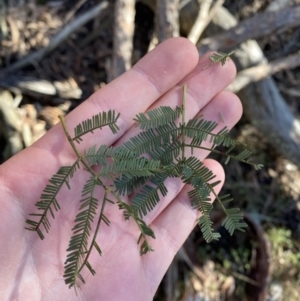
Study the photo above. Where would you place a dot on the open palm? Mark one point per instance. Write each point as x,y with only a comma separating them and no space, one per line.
31,269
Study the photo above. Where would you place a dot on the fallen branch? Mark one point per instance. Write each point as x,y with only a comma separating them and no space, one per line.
262,71
167,19
260,25
204,17
59,38
198,26
123,37
10,125
72,12
26,85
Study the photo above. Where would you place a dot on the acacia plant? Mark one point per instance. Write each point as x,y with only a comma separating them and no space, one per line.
140,166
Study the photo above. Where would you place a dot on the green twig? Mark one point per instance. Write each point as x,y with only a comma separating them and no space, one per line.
183,122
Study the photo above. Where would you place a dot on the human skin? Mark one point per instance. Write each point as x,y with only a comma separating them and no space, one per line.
31,269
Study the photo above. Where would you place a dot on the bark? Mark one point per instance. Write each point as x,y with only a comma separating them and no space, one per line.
167,19
204,17
262,71
123,37
261,25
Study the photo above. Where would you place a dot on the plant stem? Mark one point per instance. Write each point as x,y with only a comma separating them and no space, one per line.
80,157
220,153
183,122
132,214
96,232
216,196
62,119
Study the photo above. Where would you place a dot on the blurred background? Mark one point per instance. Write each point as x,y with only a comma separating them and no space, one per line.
54,54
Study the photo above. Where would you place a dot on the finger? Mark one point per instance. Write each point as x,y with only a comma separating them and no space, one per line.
202,86
131,93
173,226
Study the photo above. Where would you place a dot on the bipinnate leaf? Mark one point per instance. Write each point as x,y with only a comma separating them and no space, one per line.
195,170
145,200
220,57
96,122
157,117
145,230
222,138
233,221
203,130
139,167
48,201
167,152
205,225
79,243
258,166
159,181
199,176
200,200
148,196
200,129
100,155
152,139
145,248
127,184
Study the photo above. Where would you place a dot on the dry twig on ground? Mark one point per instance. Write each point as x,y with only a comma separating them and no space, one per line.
36,87
253,28
59,38
204,17
123,35
167,14
263,71
10,124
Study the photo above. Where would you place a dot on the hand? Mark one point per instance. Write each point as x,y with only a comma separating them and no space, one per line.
32,269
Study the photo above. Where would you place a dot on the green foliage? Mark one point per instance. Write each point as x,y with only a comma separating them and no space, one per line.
138,167
285,254
126,184
157,117
100,156
96,122
167,152
145,200
78,245
48,200
232,221
220,57
130,212
129,170
152,139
